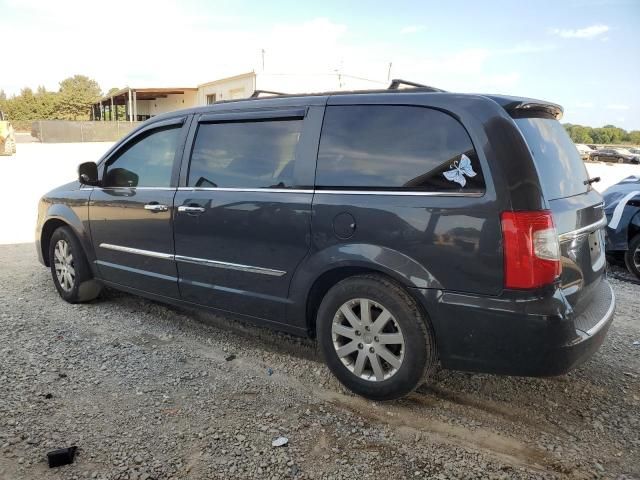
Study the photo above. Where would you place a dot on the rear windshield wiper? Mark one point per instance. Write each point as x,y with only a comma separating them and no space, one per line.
591,181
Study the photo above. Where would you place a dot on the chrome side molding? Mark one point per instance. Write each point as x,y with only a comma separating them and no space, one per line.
197,261
229,266
318,191
137,251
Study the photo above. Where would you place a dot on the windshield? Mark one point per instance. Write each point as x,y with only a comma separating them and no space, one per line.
561,170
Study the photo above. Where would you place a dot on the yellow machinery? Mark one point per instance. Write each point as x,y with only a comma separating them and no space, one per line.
7,136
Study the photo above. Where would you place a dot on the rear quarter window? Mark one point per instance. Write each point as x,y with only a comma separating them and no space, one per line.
389,147
561,170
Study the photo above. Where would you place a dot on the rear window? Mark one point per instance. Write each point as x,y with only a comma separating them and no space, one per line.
562,172
389,147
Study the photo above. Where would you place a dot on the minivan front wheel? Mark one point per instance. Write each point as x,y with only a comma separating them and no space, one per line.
374,338
69,268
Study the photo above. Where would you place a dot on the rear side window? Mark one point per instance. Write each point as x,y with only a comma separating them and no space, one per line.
388,147
561,170
245,154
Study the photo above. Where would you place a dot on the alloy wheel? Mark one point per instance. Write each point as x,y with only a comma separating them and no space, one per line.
368,340
63,264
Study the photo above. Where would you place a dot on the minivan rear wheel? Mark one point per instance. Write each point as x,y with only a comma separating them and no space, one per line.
632,256
374,337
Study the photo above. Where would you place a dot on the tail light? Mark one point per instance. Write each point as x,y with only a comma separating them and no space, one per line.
531,249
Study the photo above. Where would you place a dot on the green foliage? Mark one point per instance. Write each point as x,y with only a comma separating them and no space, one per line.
76,96
609,134
72,102
634,137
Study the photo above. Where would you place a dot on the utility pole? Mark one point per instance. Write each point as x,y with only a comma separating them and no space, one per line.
389,72
262,59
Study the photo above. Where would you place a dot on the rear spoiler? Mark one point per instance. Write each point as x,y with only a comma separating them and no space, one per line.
528,107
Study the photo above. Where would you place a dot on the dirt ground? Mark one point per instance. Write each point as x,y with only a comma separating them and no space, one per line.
148,391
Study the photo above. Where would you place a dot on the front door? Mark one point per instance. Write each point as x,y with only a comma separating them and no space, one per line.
130,214
242,221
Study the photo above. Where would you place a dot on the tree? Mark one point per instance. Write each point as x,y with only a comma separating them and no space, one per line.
578,133
76,96
46,103
73,101
634,137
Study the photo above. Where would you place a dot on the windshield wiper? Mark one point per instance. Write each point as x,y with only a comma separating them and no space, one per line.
591,181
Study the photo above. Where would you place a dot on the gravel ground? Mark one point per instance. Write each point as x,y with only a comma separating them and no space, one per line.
148,391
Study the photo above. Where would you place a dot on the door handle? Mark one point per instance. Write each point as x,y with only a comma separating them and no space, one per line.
156,207
190,209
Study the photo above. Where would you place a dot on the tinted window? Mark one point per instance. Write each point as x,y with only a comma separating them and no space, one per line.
561,170
395,147
147,162
245,154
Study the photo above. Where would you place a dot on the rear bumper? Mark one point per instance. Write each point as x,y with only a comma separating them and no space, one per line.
514,335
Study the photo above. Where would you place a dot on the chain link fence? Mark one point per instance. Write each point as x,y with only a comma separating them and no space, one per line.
66,131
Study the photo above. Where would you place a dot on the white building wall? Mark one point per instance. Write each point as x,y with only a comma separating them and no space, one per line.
241,86
169,104
143,107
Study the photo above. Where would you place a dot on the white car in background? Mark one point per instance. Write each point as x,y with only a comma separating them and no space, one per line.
584,150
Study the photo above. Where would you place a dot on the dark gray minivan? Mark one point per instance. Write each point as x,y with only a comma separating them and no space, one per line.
401,228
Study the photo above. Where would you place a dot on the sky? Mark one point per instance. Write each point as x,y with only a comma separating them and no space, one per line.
582,54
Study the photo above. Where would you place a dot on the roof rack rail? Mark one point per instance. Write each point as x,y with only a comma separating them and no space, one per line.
257,93
396,82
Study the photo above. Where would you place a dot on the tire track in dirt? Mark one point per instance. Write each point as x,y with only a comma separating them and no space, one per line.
503,448
510,413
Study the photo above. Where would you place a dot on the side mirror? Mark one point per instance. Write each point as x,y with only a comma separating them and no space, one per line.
88,173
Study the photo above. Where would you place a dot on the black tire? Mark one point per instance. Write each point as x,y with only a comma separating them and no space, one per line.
596,158
418,357
634,250
84,287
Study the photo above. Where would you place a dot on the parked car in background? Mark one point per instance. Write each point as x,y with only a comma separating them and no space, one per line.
622,208
615,155
584,151
400,228
635,151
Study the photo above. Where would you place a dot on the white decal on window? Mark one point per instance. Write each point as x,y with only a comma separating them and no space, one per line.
458,170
